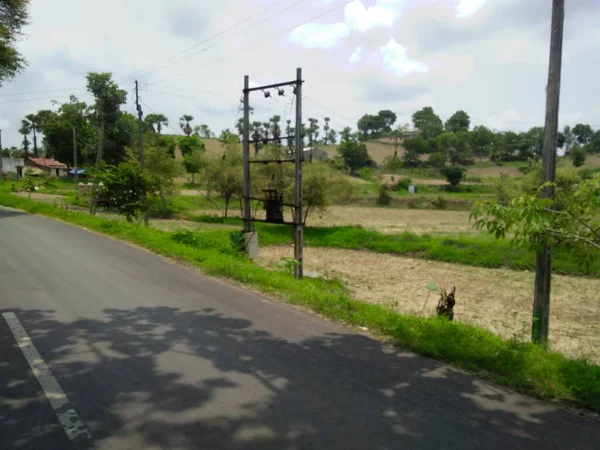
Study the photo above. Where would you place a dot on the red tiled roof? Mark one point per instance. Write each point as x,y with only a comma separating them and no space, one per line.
47,162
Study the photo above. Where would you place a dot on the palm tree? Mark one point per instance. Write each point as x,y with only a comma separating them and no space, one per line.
184,123
266,127
326,128
313,130
25,130
275,129
289,131
34,125
256,134
161,120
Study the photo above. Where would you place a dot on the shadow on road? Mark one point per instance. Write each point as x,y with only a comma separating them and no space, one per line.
333,391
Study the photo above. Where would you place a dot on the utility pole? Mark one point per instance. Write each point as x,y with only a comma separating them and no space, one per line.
141,137
299,156
75,170
246,151
543,273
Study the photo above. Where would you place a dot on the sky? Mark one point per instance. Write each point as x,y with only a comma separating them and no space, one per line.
487,57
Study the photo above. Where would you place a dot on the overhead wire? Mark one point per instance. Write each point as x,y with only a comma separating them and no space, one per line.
145,70
270,38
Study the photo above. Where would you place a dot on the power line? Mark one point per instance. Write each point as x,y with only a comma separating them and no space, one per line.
270,38
146,69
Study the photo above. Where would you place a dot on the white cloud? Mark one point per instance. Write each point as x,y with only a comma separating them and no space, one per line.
383,14
467,8
317,35
395,59
356,55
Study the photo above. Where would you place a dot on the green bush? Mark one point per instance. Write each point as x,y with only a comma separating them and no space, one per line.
402,184
454,174
385,197
440,203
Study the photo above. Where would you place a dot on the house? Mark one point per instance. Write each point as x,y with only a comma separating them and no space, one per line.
12,165
315,154
47,165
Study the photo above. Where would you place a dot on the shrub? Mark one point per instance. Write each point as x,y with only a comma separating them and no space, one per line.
392,163
440,203
577,154
385,197
402,184
454,175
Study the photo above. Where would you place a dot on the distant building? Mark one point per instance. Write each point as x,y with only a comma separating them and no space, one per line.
315,154
12,165
47,165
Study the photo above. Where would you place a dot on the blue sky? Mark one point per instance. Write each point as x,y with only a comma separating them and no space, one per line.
488,57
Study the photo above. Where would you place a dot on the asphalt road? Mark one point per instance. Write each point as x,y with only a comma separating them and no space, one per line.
152,355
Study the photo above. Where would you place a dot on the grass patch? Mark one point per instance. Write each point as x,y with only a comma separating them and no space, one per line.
525,367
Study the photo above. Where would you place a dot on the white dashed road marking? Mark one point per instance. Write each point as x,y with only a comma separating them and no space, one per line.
67,416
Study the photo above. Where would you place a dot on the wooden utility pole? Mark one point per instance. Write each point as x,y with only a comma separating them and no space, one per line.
299,156
141,138
543,273
75,169
246,151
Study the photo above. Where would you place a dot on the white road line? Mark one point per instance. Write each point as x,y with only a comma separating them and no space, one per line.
68,418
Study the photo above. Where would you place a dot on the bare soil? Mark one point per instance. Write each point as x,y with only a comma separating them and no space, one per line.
496,299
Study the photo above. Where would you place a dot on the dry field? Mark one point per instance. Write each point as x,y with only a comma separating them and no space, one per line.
493,172
496,299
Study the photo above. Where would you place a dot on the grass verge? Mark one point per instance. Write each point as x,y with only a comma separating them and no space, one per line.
525,367
480,250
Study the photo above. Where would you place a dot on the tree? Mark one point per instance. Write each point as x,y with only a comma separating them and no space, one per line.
24,131
569,139
161,171
224,175
454,175
275,128
106,113
256,135
482,139
578,155
459,121
33,123
156,122
416,144
193,163
411,159
228,137
570,221
205,132
321,184
372,126
583,133
190,143
13,17
312,131
593,146
438,159
332,136
184,124
355,155
124,186
387,118
427,122
326,130
346,134
289,131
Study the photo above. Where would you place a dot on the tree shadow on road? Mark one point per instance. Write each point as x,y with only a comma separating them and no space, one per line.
162,377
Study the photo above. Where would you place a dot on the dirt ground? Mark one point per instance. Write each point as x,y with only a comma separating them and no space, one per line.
497,299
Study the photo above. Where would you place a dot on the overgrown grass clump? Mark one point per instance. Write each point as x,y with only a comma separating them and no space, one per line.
525,367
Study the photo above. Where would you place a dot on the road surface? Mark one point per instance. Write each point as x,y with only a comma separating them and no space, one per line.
106,346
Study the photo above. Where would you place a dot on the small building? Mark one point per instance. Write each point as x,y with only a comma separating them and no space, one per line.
47,165
12,165
315,154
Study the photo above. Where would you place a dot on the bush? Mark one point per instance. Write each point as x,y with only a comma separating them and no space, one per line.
355,155
385,197
577,154
402,184
454,175
440,203
392,163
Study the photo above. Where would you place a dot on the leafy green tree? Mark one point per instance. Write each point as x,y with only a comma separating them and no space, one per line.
106,113
184,124
225,176
454,175
355,155
256,135
125,186
438,159
205,132
569,139
583,133
332,136
459,121
593,146
577,154
321,185
228,137
417,144
13,17
326,129
289,132
482,139
193,163
570,221
388,119
33,123
161,171
411,159
190,143
169,143
346,135
312,131
428,122
392,163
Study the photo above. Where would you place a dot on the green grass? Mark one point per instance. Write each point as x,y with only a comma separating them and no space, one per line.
525,367
481,250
